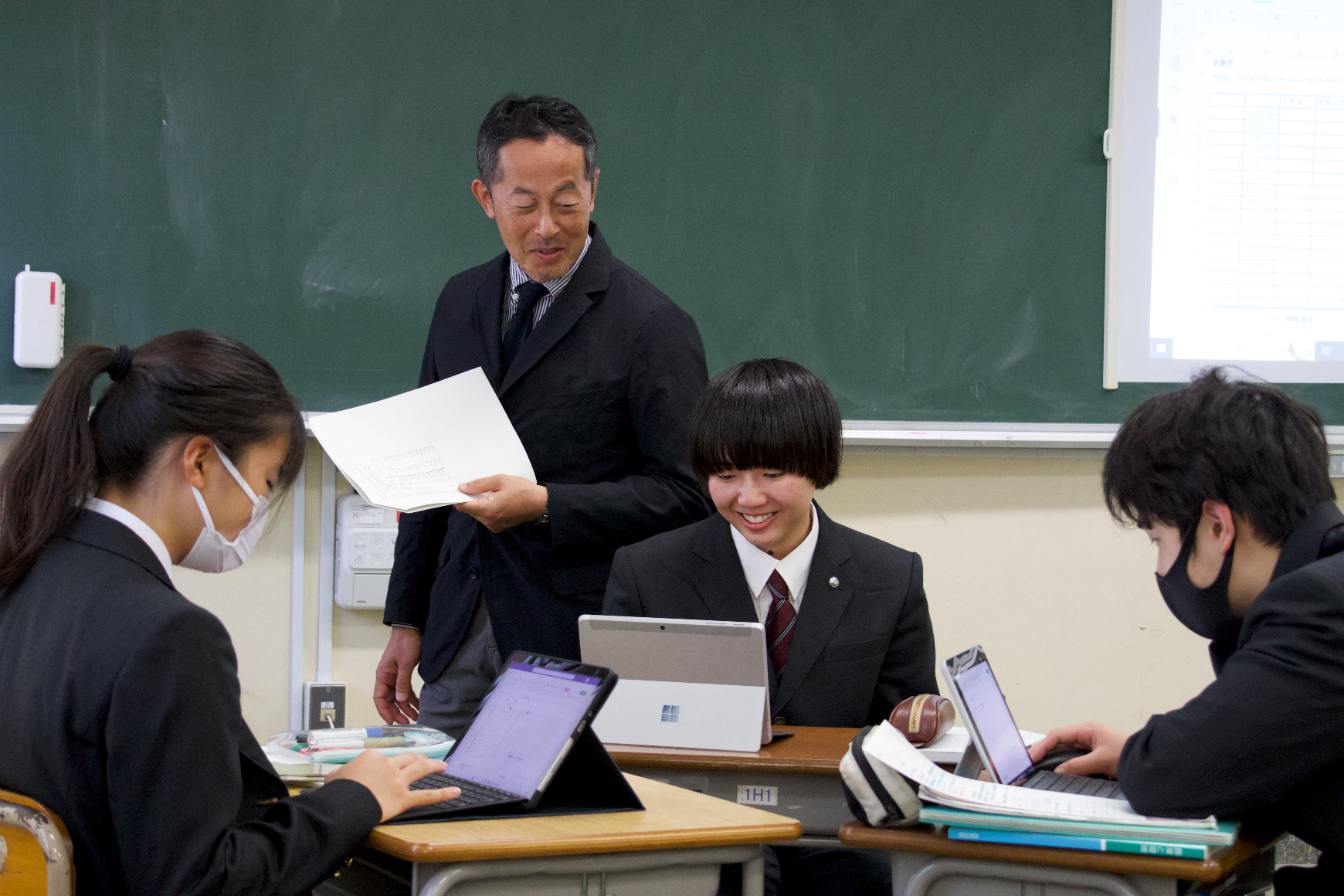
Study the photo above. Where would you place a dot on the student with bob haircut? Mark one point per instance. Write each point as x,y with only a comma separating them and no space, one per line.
847,623
1231,482
121,697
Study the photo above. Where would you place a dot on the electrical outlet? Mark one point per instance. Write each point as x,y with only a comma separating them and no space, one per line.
324,704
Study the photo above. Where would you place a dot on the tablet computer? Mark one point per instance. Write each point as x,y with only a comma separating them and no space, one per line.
524,729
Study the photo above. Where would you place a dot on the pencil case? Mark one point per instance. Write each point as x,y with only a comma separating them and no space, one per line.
923,718
340,745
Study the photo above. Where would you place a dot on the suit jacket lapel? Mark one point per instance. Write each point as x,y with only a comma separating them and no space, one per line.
718,579
821,609
589,280
554,324
488,319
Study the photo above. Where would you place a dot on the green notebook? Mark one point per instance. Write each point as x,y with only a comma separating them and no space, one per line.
1224,834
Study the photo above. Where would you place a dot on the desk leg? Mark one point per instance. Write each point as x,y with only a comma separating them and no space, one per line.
916,875
589,870
753,875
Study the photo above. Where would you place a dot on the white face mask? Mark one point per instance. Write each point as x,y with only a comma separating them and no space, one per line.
211,553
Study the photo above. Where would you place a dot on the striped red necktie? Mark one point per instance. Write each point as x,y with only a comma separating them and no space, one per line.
779,622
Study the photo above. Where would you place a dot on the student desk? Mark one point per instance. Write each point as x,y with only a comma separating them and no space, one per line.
797,776
922,858
675,846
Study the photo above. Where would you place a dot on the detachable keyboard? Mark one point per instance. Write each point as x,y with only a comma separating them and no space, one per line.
1079,784
474,796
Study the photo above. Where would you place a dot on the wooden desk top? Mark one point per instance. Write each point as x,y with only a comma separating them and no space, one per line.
924,839
811,751
673,819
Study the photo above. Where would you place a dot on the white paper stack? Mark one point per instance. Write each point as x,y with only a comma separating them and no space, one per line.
410,451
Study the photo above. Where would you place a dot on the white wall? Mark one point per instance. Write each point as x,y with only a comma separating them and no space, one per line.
1019,555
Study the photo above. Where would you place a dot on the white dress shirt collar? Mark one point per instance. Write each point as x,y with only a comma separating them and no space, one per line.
136,525
757,566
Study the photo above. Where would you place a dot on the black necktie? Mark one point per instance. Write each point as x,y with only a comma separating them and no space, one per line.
520,324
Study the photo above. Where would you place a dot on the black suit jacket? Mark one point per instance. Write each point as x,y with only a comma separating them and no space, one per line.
1267,736
600,396
120,706
858,649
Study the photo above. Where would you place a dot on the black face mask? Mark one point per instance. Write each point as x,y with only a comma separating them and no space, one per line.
1205,611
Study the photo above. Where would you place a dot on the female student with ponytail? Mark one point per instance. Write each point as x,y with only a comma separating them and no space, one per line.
119,697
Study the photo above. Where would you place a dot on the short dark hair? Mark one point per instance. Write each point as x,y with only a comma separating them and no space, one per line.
1241,443
769,413
534,118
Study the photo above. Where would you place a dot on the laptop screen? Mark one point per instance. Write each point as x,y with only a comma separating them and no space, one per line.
989,712
521,727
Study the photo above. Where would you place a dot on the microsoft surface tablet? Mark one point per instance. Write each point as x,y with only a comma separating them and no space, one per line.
694,651
980,702
526,725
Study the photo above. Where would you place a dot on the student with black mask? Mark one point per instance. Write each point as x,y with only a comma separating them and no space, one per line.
1231,482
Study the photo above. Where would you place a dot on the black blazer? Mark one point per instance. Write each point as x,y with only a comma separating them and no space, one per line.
1267,736
859,648
121,714
600,396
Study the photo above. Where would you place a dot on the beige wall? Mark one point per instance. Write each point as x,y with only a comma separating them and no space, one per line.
1019,555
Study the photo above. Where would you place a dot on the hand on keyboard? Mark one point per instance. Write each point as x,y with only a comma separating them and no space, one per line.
1104,745
391,780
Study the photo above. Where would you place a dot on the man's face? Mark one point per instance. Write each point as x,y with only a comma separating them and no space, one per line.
772,510
541,203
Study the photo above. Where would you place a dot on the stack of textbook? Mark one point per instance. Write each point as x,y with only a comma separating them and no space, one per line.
1172,841
995,813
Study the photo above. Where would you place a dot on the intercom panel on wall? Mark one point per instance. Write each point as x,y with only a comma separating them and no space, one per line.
365,536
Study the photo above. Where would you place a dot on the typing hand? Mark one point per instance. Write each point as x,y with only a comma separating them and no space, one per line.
389,778
503,501
1104,743
393,695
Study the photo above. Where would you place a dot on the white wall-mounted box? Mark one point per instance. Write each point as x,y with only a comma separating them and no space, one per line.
39,318
365,537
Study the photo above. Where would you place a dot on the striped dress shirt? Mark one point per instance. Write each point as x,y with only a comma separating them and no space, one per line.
517,277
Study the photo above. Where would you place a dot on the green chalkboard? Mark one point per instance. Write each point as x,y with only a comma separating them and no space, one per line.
908,197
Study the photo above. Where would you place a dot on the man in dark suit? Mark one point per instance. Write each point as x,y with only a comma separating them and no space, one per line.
846,621
598,371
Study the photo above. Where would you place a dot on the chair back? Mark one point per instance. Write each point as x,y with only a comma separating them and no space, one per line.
47,868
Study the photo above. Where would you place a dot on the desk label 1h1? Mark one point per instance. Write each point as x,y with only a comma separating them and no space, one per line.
757,795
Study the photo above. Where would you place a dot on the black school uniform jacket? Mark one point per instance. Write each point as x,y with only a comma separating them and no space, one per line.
600,396
858,648
1266,738
120,708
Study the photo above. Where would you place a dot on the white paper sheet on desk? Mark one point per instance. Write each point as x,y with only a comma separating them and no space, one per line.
410,451
889,746
948,748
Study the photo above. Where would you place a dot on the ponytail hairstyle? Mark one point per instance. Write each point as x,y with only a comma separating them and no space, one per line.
182,384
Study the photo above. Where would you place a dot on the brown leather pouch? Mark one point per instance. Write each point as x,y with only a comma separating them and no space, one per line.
923,718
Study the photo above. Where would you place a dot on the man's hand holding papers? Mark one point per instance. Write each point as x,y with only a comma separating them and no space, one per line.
502,502
411,451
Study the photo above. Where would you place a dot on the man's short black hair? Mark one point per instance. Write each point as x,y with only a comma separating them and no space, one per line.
534,118
1244,444
769,413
